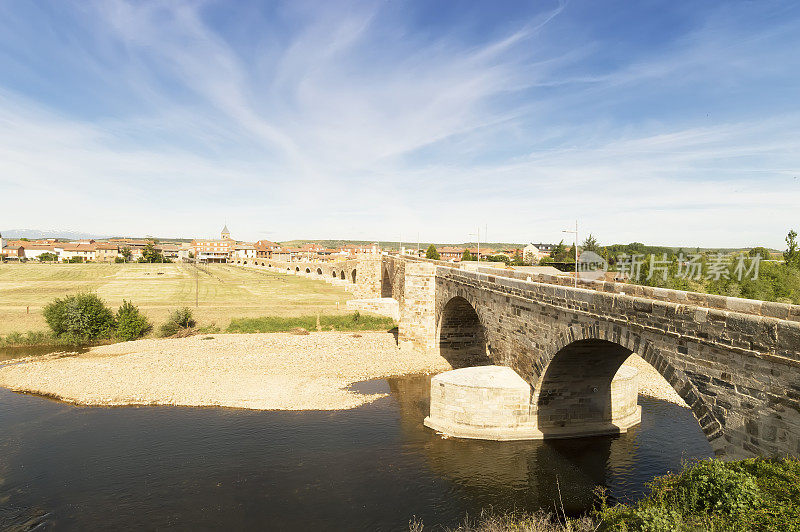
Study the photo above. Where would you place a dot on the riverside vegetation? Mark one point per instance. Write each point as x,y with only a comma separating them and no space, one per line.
85,319
777,280
216,293
760,494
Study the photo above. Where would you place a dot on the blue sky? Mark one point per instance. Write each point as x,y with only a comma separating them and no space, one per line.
662,122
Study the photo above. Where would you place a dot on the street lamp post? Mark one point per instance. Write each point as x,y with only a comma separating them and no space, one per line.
575,232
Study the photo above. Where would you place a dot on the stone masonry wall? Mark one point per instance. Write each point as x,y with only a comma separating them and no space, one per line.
738,372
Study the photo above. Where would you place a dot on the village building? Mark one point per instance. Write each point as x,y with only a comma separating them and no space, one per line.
35,251
218,251
106,252
264,249
244,251
69,251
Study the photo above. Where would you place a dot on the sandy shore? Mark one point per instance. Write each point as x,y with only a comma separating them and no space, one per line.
652,384
277,371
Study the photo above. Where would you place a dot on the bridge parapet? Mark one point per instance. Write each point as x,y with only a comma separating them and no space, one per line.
767,309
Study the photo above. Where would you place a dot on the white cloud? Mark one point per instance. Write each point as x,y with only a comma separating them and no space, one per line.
348,126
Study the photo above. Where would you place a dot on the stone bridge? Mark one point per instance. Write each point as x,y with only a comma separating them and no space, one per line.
735,362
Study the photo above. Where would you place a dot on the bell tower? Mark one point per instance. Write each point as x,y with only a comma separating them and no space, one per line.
226,235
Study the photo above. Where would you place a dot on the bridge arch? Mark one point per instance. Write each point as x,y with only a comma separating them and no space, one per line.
319,271
574,386
386,282
353,276
333,273
341,275
308,270
461,337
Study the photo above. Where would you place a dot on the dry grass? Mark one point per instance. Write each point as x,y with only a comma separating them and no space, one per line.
540,521
225,292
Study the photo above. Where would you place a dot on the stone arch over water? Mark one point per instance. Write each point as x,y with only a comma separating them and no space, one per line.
461,336
575,385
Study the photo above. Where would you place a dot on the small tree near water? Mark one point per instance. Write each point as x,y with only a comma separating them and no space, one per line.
81,317
131,324
180,321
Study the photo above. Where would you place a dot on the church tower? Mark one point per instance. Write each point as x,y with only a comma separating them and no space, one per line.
226,235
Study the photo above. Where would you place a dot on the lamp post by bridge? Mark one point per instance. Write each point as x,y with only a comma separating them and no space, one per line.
575,232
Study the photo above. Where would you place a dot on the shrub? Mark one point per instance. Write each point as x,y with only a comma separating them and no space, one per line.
81,317
346,322
713,487
180,321
131,324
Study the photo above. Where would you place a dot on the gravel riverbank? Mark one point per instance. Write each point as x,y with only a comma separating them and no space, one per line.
276,371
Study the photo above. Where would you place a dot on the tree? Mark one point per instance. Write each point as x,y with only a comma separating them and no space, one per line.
570,255
131,324
759,251
792,255
79,318
432,253
48,257
466,255
126,253
558,251
562,254
590,244
151,254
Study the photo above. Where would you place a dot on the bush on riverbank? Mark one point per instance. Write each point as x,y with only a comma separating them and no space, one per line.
347,322
711,495
181,322
79,318
131,324
30,338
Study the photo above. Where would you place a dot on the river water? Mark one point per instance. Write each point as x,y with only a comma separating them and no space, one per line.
371,468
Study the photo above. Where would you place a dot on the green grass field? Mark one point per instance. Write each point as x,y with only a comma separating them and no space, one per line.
225,292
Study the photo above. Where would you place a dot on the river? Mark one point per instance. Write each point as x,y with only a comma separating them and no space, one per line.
370,468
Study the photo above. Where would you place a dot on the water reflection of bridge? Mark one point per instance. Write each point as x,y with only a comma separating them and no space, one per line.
534,473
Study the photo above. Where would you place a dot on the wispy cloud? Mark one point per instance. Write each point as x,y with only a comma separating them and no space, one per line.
375,120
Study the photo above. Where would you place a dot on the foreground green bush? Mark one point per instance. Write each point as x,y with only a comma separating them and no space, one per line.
131,324
80,318
757,494
180,321
347,322
754,494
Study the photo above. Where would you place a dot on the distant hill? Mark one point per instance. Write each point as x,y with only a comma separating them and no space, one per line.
34,234
395,245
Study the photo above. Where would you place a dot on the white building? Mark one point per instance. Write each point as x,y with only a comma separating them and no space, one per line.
244,251
531,254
